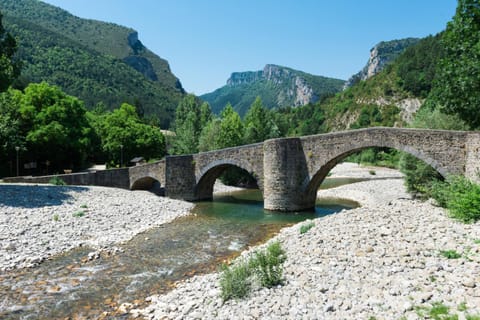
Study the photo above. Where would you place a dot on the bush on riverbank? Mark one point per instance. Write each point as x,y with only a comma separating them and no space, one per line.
264,267
460,196
57,181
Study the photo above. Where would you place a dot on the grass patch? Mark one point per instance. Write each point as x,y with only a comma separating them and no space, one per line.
305,227
439,311
476,241
462,307
78,214
56,181
84,206
264,267
450,254
56,217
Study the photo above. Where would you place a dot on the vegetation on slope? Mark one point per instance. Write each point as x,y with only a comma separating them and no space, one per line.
95,61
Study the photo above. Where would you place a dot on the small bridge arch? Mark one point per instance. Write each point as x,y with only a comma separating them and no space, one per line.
208,174
148,176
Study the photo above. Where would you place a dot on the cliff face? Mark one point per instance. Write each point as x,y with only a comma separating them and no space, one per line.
277,86
294,89
380,55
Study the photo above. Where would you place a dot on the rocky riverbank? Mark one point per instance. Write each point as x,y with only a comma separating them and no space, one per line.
384,260
38,221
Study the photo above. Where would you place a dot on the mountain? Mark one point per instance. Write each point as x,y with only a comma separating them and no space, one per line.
392,94
93,60
277,86
380,55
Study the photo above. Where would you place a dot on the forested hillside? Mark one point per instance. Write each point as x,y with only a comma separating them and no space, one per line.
95,61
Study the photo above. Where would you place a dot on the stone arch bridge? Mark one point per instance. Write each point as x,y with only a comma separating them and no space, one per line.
290,170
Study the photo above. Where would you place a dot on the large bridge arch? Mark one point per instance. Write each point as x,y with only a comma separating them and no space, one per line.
312,183
209,173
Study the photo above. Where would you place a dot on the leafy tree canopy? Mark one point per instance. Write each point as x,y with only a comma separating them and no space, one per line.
258,123
123,133
457,85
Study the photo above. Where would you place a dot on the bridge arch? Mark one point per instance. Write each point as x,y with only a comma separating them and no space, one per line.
208,174
144,183
320,172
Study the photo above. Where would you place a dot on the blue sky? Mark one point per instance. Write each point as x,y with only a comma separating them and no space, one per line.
206,40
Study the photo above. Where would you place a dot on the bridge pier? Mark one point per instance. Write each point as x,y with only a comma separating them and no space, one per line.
285,171
180,177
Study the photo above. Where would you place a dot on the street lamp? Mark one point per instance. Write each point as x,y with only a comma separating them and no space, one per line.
121,155
17,149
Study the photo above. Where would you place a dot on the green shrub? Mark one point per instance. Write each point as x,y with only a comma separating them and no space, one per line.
57,181
305,227
267,265
264,266
78,214
56,217
450,254
464,205
460,196
419,176
235,282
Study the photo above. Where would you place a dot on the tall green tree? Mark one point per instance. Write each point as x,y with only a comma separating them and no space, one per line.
231,128
209,138
123,134
9,67
190,118
457,85
258,123
54,125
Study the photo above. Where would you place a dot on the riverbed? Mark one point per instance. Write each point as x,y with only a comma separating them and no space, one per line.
380,261
90,282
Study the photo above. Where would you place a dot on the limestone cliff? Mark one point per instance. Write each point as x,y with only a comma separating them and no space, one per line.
277,86
380,55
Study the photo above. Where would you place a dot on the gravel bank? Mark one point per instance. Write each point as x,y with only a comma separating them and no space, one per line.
38,221
381,260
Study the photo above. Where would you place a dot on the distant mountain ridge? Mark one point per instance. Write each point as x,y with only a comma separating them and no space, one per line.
94,60
277,86
381,54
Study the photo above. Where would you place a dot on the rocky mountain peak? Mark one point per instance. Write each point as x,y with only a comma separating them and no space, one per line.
277,86
380,55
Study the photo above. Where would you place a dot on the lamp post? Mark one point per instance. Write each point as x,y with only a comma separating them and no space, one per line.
17,149
121,155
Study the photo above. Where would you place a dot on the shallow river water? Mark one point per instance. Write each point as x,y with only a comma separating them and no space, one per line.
73,286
